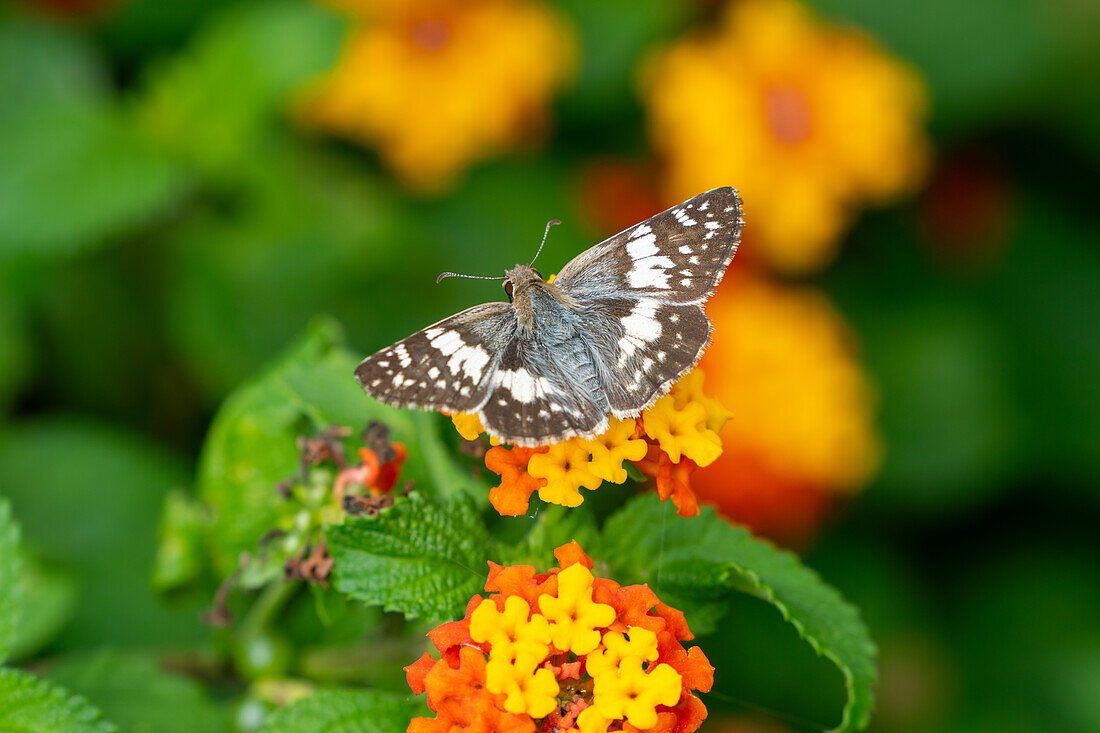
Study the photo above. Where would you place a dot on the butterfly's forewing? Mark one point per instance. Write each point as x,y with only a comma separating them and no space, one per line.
447,366
641,295
677,256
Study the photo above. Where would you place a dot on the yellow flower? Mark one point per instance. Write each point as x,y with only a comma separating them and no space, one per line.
566,468
682,431
806,119
802,405
527,689
574,616
608,451
690,389
590,721
469,427
642,643
634,694
438,84
512,633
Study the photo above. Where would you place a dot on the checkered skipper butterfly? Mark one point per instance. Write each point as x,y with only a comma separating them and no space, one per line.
613,332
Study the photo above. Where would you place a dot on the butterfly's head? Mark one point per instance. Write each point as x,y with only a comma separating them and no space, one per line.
519,279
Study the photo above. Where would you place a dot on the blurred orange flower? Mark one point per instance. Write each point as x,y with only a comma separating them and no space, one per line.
806,119
436,85
802,425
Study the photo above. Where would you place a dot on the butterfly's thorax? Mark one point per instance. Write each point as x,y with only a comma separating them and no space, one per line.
543,311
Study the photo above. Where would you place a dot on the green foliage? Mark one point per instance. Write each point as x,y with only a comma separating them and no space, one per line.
268,50
688,561
31,705
345,711
135,693
50,595
87,497
65,144
252,445
421,558
11,589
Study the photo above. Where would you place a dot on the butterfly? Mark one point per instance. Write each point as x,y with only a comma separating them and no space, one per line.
617,327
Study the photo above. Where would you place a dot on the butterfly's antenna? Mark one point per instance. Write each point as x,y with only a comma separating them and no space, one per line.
545,234
470,277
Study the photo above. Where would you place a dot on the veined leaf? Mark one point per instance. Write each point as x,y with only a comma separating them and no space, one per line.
645,542
252,445
31,705
10,586
421,558
344,711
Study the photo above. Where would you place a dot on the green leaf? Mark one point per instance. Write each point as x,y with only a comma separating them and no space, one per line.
646,542
72,170
31,705
50,595
345,711
11,587
87,495
421,558
252,445
136,693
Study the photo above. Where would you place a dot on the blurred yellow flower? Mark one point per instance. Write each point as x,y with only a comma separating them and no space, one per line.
802,408
436,85
806,119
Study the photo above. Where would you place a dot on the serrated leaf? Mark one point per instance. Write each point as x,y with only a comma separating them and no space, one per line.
31,705
133,691
645,538
252,445
421,558
10,585
345,711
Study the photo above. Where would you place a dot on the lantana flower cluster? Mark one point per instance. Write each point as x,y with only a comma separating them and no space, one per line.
678,433
327,487
435,85
810,120
562,652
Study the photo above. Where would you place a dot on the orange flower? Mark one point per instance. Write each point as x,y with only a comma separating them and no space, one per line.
802,427
809,121
508,665
436,85
513,495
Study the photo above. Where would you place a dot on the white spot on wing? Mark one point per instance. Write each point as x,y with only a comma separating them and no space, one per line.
470,359
447,342
639,231
683,218
642,247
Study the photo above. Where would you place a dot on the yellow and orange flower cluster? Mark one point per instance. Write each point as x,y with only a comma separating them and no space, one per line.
435,85
562,652
806,119
803,427
666,442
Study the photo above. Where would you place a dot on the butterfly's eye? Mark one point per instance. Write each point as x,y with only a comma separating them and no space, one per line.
508,288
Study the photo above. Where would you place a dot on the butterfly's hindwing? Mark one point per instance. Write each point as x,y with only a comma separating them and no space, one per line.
542,389
642,346
677,256
447,366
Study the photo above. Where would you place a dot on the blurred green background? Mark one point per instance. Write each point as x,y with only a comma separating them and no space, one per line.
170,219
